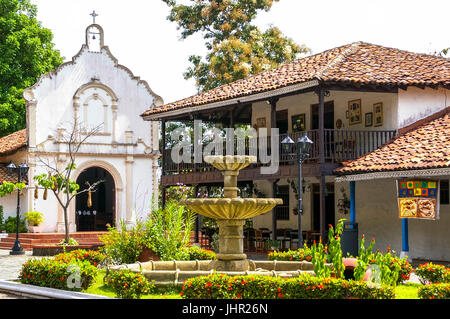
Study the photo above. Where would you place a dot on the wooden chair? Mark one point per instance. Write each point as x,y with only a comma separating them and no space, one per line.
259,241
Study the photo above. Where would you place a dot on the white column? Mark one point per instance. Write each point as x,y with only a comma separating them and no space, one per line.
129,161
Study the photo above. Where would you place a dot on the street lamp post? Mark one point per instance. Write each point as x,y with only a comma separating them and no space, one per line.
22,171
304,145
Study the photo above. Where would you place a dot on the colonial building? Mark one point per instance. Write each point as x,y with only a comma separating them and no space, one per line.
420,153
91,90
349,100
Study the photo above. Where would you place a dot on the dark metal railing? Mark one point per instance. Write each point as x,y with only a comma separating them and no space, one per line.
339,146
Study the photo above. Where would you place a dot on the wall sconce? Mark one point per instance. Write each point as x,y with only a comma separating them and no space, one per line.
343,204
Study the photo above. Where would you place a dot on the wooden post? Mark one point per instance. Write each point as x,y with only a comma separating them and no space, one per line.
273,124
163,147
323,184
197,228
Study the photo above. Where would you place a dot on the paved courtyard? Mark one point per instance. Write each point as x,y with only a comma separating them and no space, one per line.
10,265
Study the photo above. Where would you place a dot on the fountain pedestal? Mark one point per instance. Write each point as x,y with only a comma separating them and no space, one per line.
231,255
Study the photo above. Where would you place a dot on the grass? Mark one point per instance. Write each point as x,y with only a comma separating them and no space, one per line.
407,291
99,288
404,291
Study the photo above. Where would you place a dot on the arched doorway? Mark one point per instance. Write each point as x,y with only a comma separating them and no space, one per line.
102,211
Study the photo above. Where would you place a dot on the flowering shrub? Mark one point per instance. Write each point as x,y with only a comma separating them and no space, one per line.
303,254
431,273
128,284
93,257
390,269
123,245
197,253
48,272
434,291
220,286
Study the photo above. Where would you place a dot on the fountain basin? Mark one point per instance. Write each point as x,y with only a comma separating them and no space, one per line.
231,208
164,273
230,162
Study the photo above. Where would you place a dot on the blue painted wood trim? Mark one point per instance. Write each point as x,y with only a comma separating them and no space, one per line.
405,244
352,202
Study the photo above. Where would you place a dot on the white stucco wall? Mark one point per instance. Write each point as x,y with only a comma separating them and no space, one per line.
301,103
415,104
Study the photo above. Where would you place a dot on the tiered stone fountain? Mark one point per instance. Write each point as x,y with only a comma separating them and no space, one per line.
230,213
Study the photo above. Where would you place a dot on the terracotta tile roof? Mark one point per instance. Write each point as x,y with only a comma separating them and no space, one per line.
356,63
423,147
7,177
13,142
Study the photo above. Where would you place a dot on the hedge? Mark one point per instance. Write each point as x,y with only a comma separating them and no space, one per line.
220,286
47,272
434,291
128,284
432,273
95,258
197,253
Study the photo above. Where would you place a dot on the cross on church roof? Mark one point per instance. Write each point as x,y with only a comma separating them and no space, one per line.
93,14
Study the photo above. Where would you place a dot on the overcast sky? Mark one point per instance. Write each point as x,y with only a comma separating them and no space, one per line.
140,37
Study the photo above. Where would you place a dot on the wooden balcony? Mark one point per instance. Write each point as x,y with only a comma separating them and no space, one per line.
339,146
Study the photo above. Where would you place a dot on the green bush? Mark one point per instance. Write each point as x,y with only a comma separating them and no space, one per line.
128,284
168,231
434,291
11,225
220,286
197,253
431,273
95,258
48,272
124,245
392,270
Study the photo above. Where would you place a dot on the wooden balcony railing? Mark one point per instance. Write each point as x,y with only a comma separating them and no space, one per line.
339,146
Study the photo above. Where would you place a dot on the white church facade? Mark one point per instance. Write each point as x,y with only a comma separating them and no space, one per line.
91,90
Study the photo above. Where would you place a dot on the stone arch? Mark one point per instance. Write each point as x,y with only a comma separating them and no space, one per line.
118,183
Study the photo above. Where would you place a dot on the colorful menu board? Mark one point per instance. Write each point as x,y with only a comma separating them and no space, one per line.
418,199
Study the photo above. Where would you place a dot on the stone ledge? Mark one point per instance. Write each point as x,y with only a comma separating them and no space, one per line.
44,292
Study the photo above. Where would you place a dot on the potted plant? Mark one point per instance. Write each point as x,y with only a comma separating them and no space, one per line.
34,220
273,244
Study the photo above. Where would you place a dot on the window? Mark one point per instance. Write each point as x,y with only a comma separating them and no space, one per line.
444,192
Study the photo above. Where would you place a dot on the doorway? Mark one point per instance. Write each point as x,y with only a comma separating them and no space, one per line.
328,116
102,211
282,121
329,206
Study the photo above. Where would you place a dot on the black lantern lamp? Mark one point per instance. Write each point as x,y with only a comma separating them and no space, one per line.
287,144
22,171
304,145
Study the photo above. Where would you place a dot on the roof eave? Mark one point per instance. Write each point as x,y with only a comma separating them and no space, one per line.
236,100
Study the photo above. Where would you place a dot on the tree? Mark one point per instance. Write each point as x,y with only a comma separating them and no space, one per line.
236,47
59,181
26,52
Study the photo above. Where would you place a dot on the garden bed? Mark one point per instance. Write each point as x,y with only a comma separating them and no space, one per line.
51,250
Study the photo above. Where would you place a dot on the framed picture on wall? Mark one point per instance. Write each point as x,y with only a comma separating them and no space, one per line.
261,122
354,112
368,121
298,122
378,114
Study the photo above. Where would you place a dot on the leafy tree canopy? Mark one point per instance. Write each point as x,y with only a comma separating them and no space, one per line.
26,52
236,47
